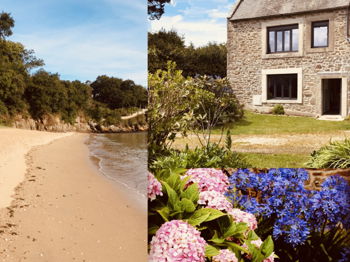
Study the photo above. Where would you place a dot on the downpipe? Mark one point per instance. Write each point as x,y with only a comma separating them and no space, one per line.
348,25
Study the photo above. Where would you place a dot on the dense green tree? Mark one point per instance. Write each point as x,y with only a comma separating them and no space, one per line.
156,8
6,24
46,94
164,46
116,93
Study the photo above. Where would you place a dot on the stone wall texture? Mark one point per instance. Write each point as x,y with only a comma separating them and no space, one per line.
246,61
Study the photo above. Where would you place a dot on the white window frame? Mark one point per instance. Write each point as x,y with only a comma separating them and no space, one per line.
282,22
266,72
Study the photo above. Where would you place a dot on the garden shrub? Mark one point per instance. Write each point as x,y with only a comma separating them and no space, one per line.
190,219
307,225
334,155
211,156
278,110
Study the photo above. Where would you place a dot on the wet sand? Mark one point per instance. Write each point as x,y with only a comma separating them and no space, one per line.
65,210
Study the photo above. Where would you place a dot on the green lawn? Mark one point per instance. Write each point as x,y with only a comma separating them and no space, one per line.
260,124
276,160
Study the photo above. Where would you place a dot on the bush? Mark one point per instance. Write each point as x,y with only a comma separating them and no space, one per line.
334,155
278,110
193,205
307,225
213,156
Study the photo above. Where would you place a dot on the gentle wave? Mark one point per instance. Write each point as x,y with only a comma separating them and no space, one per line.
123,159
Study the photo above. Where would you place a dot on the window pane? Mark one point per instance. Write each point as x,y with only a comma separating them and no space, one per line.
282,86
287,40
295,37
320,36
272,41
279,41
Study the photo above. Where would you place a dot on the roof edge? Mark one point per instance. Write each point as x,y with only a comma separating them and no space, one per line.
279,15
234,8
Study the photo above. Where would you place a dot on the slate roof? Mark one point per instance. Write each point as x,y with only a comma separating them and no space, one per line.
249,9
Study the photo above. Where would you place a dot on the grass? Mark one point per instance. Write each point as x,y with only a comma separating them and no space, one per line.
276,160
264,124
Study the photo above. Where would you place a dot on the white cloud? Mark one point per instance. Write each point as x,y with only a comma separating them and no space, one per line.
198,32
78,51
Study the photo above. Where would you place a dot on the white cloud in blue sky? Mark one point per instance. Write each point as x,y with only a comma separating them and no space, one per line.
198,21
81,39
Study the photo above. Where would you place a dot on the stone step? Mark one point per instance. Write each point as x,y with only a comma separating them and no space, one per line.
331,117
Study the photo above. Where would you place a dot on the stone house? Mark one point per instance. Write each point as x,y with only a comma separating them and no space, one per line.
291,52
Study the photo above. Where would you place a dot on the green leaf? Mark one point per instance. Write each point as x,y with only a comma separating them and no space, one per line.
187,205
236,229
235,246
152,230
214,214
164,212
172,196
211,251
199,216
191,193
267,247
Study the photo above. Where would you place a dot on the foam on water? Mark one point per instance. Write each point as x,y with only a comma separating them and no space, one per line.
123,159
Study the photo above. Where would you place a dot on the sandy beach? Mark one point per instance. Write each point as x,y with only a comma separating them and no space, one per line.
64,210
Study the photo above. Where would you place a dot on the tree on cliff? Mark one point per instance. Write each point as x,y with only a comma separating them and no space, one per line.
6,25
118,93
156,8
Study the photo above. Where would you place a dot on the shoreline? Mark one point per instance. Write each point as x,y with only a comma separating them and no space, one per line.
66,210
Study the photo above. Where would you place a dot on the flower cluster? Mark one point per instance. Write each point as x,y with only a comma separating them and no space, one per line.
154,187
225,255
213,199
177,241
241,216
208,179
280,194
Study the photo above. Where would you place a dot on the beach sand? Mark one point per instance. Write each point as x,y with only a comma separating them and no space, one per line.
64,210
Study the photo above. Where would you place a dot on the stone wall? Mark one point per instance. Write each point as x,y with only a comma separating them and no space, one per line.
246,60
317,176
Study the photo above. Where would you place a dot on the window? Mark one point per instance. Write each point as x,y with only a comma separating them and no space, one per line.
319,34
283,39
284,86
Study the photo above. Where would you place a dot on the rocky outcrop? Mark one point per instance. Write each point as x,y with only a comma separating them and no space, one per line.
55,124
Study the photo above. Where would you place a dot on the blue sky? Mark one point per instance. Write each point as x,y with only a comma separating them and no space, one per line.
81,39
199,21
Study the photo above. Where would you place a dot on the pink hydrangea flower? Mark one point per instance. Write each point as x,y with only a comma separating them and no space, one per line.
214,199
225,256
154,187
258,243
241,216
208,179
177,241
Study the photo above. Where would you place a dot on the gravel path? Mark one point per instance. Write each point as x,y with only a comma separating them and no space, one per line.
273,144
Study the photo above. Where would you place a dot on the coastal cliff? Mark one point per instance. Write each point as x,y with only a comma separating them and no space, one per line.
81,124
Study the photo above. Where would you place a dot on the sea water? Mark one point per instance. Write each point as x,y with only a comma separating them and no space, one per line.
122,158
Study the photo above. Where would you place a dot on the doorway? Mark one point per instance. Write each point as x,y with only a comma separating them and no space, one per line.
331,96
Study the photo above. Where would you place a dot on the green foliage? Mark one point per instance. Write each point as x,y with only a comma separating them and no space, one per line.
334,155
178,105
156,8
179,202
164,46
172,101
118,93
211,156
278,110
6,24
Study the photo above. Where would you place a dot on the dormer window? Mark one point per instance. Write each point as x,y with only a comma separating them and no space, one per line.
283,39
319,34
